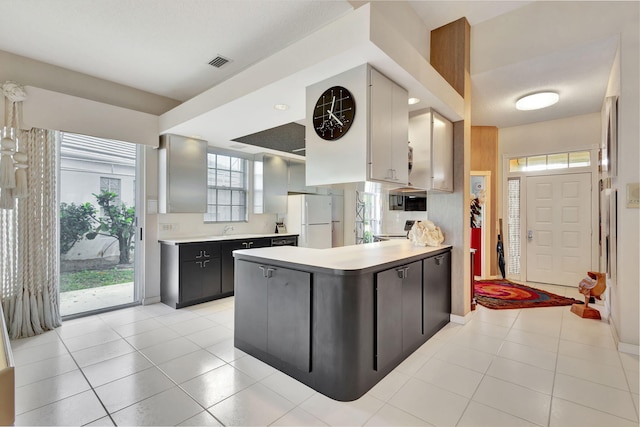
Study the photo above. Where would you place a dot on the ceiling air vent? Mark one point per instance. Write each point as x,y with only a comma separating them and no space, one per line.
219,61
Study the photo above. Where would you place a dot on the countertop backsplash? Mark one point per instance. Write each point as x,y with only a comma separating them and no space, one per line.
189,225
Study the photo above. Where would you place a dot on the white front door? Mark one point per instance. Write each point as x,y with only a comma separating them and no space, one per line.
558,228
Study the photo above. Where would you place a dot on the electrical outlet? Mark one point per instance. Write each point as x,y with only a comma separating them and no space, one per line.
168,227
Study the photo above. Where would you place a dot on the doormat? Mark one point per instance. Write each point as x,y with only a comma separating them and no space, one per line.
503,294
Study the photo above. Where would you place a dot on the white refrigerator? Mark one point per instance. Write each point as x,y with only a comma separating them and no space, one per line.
310,217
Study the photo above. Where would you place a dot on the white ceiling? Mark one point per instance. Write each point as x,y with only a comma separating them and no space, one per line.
163,46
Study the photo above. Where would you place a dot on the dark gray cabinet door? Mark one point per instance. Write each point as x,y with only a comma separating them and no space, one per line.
251,295
227,263
289,317
412,327
388,317
199,279
199,272
437,292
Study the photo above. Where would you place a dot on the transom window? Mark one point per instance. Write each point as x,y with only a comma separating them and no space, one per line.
227,189
576,159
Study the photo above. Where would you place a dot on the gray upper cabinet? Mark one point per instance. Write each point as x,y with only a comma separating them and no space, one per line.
388,124
431,137
297,178
270,184
182,180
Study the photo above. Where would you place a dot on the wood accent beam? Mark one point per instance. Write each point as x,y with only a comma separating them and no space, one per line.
451,53
484,157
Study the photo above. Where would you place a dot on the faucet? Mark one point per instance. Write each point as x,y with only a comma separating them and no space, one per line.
226,229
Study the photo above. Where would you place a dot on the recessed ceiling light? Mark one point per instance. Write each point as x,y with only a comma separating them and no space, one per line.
413,101
281,107
535,101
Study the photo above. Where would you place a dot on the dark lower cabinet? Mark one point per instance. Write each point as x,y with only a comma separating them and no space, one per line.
199,279
339,331
275,307
437,292
399,324
189,273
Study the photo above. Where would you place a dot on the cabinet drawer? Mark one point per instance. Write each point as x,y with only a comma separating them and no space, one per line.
198,251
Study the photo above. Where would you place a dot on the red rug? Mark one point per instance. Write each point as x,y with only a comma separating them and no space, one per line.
504,294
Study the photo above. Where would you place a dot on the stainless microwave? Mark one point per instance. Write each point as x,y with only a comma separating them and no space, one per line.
407,202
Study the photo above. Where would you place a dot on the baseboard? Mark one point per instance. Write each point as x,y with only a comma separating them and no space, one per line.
461,320
151,300
623,347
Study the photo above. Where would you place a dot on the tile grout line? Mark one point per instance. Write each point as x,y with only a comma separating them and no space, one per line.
88,382
153,364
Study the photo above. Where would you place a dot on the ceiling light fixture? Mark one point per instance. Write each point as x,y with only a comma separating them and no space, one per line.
281,107
536,101
413,101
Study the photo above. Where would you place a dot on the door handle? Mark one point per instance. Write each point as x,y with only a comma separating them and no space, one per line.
530,234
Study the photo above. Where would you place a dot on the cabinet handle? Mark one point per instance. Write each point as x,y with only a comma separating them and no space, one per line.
439,259
269,271
389,174
246,245
266,271
204,263
206,255
199,256
403,272
249,244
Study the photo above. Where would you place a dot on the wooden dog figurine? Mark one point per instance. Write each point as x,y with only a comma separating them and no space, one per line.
593,286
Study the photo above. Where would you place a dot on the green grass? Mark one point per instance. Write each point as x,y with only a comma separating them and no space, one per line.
94,278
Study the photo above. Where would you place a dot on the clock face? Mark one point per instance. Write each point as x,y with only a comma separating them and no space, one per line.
334,113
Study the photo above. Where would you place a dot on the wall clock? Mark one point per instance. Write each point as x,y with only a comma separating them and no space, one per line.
334,113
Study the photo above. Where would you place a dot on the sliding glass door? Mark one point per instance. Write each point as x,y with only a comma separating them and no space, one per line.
98,227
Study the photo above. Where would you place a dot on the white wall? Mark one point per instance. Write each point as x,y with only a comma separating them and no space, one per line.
625,83
562,135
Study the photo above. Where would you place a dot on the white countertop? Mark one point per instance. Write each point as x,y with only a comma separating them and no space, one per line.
345,258
218,238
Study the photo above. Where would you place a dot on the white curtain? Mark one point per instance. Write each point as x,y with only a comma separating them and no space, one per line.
29,288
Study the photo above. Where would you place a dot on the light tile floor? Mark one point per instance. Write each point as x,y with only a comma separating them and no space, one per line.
152,365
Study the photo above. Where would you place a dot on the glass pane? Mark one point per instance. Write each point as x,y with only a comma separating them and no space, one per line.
513,227
536,163
224,213
236,198
211,208
257,201
237,213
223,179
518,165
96,274
211,160
223,162
211,177
557,161
237,164
224,197
237,180
579,159
211,196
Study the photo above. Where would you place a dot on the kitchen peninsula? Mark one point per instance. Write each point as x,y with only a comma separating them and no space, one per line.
340,319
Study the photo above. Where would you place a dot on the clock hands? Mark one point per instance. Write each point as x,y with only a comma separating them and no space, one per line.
333,101
335,118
